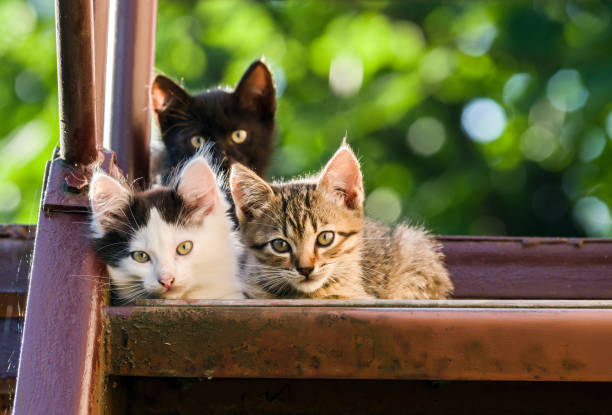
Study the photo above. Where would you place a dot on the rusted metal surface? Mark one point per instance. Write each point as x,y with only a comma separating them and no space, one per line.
59,365
151,396
59,368
133,54
75,66
530,267
360,343
10,340
60,196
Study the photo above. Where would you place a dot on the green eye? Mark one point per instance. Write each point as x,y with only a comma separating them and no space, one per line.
140,256
184,248
239,136
280,245
325,238
197,141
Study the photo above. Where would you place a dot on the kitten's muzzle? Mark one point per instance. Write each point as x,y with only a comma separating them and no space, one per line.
305,271
166,282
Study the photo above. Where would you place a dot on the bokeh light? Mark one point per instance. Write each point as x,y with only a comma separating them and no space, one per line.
515,87
483,120
538,143
437,65
345,75
10,196
593,215
384,205
426,136
566,91
592,145
476,40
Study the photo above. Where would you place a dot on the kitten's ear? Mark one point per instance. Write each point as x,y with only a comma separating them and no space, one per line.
341,179
256,92
249,191
197,185
107,197
165,94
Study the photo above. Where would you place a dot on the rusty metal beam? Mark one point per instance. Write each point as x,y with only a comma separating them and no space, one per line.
360,343
132,54
553,268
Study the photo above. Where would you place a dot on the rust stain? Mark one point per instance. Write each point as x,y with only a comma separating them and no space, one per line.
289,342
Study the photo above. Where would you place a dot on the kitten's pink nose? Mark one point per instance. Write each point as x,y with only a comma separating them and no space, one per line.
166,282
305,271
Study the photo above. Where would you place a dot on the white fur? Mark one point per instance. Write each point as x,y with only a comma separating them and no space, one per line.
208,271
106,195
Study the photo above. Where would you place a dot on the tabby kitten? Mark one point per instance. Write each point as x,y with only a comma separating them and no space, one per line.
167,242
239,122
308,238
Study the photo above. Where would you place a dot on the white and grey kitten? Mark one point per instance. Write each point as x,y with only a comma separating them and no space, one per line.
309,238
171,242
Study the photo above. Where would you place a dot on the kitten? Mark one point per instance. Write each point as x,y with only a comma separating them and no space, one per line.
168,242
239,122
308,238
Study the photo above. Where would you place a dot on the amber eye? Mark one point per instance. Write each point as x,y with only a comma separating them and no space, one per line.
140,256
197,141
280,245
239,136
184,248
325,238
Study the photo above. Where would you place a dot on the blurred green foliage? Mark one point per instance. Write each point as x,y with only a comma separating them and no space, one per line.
470,117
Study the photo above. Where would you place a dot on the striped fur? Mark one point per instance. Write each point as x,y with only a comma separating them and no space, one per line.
365,259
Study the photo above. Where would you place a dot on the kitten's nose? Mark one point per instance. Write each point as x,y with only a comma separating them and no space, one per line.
166,282
305,271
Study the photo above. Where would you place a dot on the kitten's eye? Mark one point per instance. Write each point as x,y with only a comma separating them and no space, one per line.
325,238
239,136
184,248
280,245
197,141
140,256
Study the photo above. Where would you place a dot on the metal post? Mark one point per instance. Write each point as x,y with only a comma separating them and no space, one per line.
75,74
59,368
130,63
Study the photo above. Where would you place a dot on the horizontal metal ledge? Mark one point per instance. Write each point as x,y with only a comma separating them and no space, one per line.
360,343
446,304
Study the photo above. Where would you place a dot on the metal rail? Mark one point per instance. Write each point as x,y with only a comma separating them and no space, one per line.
360,343
130,66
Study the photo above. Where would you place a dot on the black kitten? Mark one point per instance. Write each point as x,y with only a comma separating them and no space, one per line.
239,123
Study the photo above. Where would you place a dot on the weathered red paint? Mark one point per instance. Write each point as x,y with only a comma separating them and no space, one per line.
59,368
133,59
554,268
360,343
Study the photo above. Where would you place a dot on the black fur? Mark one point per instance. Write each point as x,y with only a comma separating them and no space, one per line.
214,115
114,245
